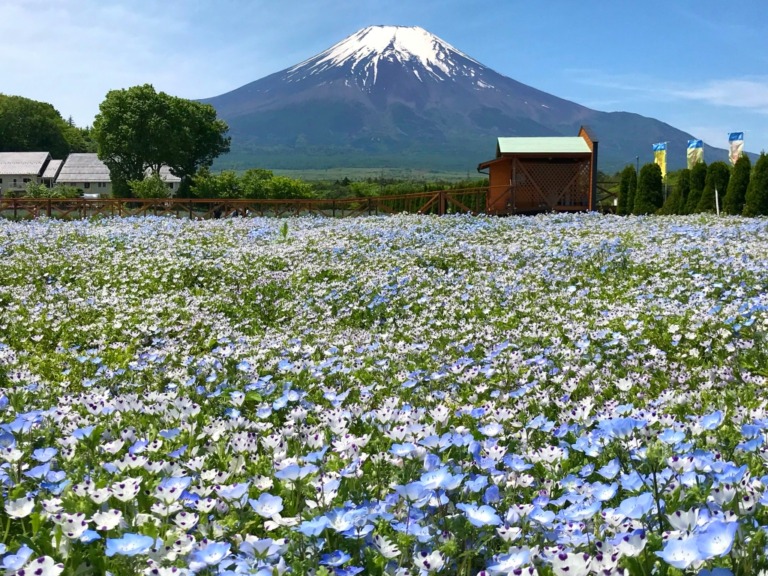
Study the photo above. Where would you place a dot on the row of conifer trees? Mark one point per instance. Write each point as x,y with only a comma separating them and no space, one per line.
741,189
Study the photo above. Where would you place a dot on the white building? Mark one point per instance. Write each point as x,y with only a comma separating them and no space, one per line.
17,169
86,172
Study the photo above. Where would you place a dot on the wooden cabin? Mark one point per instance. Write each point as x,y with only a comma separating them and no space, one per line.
543,174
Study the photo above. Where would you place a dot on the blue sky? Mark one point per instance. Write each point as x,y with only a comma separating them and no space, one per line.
700,66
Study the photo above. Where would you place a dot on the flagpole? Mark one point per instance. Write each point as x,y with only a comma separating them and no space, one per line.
717,202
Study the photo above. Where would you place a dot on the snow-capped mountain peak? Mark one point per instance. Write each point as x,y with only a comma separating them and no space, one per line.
362,54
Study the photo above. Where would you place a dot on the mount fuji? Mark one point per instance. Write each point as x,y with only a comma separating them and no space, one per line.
395,96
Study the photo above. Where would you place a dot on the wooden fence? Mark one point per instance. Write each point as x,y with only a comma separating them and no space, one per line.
466,201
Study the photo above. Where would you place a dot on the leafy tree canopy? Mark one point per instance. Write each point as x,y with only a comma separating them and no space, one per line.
31,126
139,130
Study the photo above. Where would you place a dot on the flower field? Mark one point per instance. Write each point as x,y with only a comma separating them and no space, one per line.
559,395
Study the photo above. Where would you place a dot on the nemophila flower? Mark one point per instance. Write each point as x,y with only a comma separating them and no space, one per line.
510,562
129,545
314,526
209,554
267,505
717,538
170,489
42,566
233,492
682,553
385,547
127,489
107,520
429,561
44,454
636,507
13,562
335,558
712,421
571,564
414,492
20,508
295,472
632,543
480,515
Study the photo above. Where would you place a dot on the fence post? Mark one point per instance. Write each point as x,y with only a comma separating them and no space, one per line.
48,208
441,203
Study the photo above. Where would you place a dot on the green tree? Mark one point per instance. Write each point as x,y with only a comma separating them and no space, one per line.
649,196
718,174
757,192
627,185
151,186
255,183
139,129
675,202
207,185
284,187
697,181
31,126
733,203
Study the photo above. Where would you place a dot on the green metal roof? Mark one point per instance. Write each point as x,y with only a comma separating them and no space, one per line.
544,145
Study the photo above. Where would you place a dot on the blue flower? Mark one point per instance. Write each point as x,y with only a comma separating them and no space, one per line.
712,421
267,505
336,558
129,545
681,553
480,515
717,538
210,554
636,507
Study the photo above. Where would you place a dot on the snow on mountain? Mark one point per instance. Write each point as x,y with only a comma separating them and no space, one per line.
401,96
412,47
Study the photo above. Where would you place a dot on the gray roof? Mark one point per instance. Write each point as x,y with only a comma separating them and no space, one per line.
23,162
52,169
83,168
544,145
165,174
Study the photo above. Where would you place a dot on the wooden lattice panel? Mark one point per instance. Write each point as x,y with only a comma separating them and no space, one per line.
549,184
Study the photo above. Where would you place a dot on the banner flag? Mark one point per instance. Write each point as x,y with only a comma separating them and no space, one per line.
736,145
660,157
695,152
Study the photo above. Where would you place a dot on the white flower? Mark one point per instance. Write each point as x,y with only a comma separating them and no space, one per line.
20,508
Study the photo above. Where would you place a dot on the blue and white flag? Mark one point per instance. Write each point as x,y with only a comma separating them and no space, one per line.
695,152
735,145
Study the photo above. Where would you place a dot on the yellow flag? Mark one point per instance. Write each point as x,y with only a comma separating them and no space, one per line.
660,157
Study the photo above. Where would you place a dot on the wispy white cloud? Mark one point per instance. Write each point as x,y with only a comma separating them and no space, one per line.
750,93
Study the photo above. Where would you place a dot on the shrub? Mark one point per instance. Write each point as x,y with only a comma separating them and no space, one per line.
718,174
151,187
736,196
757,192
649,196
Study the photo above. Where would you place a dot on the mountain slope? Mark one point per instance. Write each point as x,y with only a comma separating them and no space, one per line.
402,97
